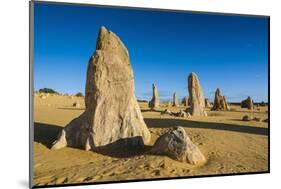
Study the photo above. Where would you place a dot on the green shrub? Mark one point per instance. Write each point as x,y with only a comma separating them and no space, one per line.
47,90
79,94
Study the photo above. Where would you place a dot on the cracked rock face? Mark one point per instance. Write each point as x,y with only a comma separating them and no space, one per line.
177,145
197,100
112,112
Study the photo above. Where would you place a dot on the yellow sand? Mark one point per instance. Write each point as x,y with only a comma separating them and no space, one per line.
229,144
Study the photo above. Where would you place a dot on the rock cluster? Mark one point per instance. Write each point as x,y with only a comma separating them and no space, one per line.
197,100
112,112
177,145
154,102
220,101
251,118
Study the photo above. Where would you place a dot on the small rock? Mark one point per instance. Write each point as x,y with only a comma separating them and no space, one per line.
177,145
166,111
265,120
156,173
181,114
43,96
247,118
257,119
76,104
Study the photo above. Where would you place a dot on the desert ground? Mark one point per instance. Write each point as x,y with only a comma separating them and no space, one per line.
229,144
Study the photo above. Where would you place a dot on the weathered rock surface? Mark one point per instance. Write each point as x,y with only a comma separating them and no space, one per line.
112,114
175,100
248,103
197,102
154,102
220,102
177,145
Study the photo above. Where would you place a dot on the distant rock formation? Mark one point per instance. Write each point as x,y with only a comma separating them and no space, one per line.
112,116
220,102
154,103
175,100
177,145
248,103
197,102
169,104
186,101
207,103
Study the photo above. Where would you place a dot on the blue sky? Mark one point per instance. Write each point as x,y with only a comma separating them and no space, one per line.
229,52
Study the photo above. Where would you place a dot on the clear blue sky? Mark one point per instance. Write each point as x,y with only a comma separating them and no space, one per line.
229,52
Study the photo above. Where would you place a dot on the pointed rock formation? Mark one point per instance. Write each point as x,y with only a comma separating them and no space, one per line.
186,101
220,101
177,145
112,116
248,103
175,100
197,102
207,103
226,104
154,103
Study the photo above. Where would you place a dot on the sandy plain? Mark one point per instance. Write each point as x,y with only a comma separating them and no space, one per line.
229,144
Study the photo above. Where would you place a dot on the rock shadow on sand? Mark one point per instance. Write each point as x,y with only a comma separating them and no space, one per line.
124,148
169,123
72,109
46,134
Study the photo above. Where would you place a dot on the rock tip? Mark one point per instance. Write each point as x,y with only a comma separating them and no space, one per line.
192,74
